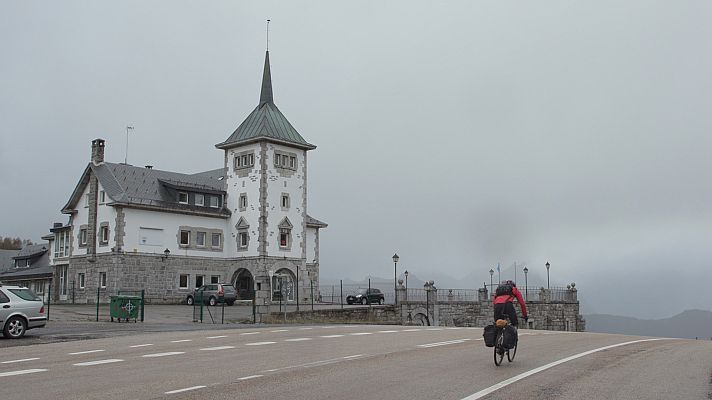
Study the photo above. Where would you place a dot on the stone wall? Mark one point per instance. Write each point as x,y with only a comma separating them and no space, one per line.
382,315
159,275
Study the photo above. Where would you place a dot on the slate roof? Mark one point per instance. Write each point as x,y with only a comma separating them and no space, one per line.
44,271
315,222
31,250
266,122
151,188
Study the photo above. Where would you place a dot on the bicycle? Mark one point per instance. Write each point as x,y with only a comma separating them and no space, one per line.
499,349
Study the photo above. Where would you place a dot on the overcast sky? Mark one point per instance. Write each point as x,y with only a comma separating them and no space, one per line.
457,135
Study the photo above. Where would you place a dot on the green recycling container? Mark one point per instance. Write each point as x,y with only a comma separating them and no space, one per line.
124,307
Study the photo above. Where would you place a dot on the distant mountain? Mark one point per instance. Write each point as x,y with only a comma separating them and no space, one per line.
689,324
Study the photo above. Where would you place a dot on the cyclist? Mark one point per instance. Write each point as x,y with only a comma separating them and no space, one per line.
503,303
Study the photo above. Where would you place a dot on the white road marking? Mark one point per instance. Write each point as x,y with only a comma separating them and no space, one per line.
181,341
217,348
259,343
305,329
435,329
387,331
411,330
216,337
249,333
332,336
331,327
97,362
141,345
19,361
360,333
443,343
301,339
86,352
185,390
523,375
170,353
22,372
244,378
317,363
280,330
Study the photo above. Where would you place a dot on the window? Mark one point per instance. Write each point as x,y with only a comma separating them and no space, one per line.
61,244
185,238
39,287
104,234
80,278
83,237
183,281
217,240
285,160
285,200
243,202
245,160
199,280
86,200
285,234
284,238
183,197
215,279
200,239
102,279
102,197
4,298
199,200
214,200
244,239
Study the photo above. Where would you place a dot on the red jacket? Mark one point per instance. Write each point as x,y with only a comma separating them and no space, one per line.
510,298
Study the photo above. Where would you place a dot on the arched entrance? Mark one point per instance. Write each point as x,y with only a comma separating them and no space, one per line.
283,285
244,284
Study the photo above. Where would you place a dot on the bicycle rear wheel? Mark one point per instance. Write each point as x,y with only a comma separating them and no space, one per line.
499,348
512,352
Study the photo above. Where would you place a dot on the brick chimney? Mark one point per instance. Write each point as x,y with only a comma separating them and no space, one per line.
97,151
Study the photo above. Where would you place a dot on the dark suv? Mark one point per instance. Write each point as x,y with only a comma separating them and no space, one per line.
213,294
366,296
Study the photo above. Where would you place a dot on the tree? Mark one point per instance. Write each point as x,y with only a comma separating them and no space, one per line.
8,243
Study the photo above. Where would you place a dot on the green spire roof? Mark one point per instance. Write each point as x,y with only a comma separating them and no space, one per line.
266,122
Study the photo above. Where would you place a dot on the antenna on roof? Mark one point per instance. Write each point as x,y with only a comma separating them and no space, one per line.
268,35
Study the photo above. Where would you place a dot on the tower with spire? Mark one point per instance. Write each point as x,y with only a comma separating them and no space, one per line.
270,233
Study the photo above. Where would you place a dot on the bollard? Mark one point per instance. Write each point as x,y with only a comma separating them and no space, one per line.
97,303
49,299
341,295
143,302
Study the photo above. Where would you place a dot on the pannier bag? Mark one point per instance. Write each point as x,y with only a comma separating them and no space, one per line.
510,337
490,335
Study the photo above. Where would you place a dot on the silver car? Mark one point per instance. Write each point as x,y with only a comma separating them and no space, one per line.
20,310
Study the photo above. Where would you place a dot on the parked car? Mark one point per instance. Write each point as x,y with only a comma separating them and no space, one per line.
214,293
20,309
366,296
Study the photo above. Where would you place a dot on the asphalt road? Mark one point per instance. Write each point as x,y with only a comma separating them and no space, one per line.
355,362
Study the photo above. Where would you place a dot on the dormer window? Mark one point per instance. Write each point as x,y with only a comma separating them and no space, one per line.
245,160
199,200
214,201
183,197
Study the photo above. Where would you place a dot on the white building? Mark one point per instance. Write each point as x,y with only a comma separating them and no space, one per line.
134,228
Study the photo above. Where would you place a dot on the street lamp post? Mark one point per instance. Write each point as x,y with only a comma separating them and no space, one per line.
406,280
491,275
395,277
547,275
526,283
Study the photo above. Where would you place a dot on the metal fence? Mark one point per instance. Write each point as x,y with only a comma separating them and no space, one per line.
533,293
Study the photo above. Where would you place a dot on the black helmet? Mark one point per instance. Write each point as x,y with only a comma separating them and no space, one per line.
511,282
